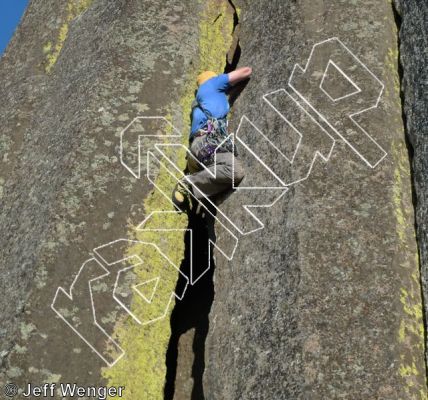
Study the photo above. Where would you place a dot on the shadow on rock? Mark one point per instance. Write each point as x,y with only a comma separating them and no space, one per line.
192,312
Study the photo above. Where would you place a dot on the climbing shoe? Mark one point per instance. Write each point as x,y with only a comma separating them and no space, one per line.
181,197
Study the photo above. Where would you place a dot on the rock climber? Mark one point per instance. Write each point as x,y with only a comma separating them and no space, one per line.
209,143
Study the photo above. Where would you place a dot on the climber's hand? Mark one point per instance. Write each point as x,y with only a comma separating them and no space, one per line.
239,75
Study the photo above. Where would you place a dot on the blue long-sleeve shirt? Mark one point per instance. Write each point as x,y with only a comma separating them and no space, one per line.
211,95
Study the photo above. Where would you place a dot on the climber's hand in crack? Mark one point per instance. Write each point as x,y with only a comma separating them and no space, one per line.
239,75
209,143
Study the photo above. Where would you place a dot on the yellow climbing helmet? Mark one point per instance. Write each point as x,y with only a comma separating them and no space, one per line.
204,76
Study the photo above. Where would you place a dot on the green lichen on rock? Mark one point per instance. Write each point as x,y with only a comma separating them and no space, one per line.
212,45
412,18
142,370
74,9
337,293
411,334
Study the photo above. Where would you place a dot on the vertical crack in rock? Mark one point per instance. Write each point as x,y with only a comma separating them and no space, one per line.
410,149
189,318
232,58
234,55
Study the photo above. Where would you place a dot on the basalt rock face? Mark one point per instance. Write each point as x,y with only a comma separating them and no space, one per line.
319,298
413,19
74,76
324,302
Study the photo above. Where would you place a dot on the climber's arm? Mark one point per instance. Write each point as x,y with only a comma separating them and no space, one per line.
239,75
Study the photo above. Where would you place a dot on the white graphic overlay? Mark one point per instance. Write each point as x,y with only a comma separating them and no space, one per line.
323,102
341,112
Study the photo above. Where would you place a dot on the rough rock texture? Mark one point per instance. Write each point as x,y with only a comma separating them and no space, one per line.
75,75
413,19
324,302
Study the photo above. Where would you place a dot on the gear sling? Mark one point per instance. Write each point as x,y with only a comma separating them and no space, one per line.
215,137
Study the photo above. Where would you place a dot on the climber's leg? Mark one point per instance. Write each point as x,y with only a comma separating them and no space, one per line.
223,175
227,169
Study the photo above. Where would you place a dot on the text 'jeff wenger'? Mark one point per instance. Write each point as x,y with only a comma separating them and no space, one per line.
73,390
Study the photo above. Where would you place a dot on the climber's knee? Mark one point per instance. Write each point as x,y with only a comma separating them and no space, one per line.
229,169
238,172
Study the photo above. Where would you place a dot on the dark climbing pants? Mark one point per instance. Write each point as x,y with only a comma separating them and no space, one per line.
228,172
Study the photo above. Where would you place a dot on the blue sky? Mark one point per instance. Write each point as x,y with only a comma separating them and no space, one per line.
10,15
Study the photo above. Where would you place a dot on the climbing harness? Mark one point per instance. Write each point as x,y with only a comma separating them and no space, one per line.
215,137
